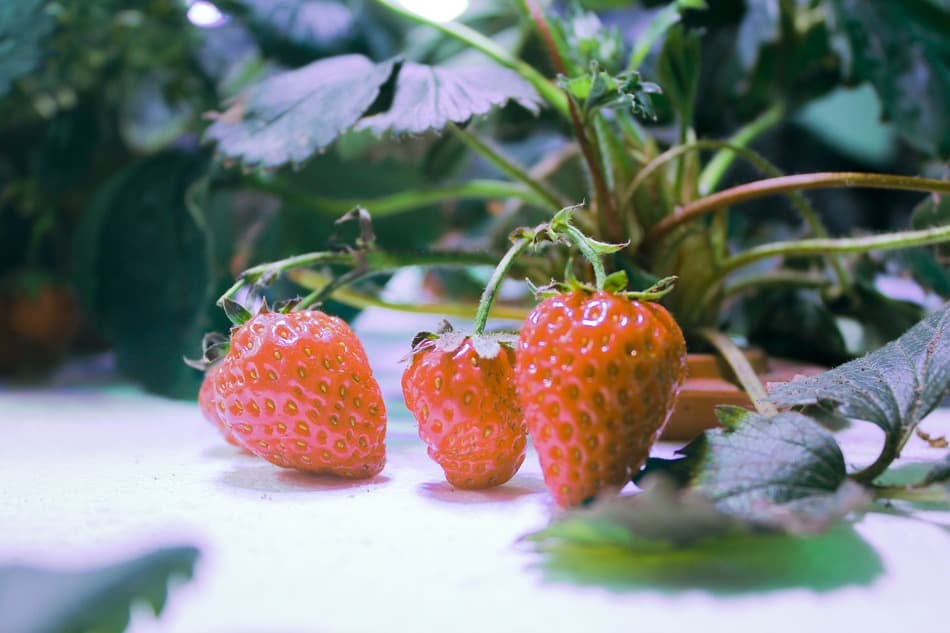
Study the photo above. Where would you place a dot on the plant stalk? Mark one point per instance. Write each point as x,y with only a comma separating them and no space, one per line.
741,367
582,242
825,246
375,260
396,203
611,226
494,283
361,300
799,182
889,453
553,200
719,164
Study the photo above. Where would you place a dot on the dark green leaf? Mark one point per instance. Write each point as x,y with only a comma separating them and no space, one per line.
902,48
760,26
894,387
144,269
34,600
678,71
598,90
429,97
739,563
24,27
658,518
786,472
290,117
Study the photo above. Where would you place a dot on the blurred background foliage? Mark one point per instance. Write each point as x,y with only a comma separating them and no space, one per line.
118,227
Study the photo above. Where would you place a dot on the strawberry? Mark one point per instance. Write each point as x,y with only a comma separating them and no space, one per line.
297,390
597,375
463,397
209,405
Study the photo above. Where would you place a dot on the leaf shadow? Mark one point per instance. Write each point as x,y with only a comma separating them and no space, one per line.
835,559
269,478
519,487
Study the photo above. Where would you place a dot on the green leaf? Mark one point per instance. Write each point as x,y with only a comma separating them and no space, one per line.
760,26
893,387
739,563
34,600
24,27
785,472
660,517
903,50
144,270
290,117
599,89
429,97
678,71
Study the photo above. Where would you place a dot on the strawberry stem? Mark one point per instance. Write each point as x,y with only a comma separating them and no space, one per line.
521,242
583,244
741,367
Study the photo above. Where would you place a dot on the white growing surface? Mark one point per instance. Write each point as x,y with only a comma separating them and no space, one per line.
93,474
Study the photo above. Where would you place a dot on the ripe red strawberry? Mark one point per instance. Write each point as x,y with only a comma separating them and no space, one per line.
211,408
298,391
467,410
597,375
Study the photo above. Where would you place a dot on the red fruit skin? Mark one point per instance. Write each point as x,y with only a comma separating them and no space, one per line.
597,375
208,404
468,413
297,390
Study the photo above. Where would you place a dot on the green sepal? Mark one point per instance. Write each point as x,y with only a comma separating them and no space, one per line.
238,314
616,281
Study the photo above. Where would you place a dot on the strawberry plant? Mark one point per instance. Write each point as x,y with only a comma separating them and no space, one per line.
653,212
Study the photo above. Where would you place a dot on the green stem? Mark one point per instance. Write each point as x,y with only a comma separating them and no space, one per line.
611,226
825,246
889,453
719,164
375,260
494,283
508,167
360,300
799,182
582,242
319,295
405,200
741,368
775,278
470,37
720,221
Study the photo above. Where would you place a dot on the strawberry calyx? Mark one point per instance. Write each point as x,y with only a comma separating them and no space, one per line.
214,347
447,339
